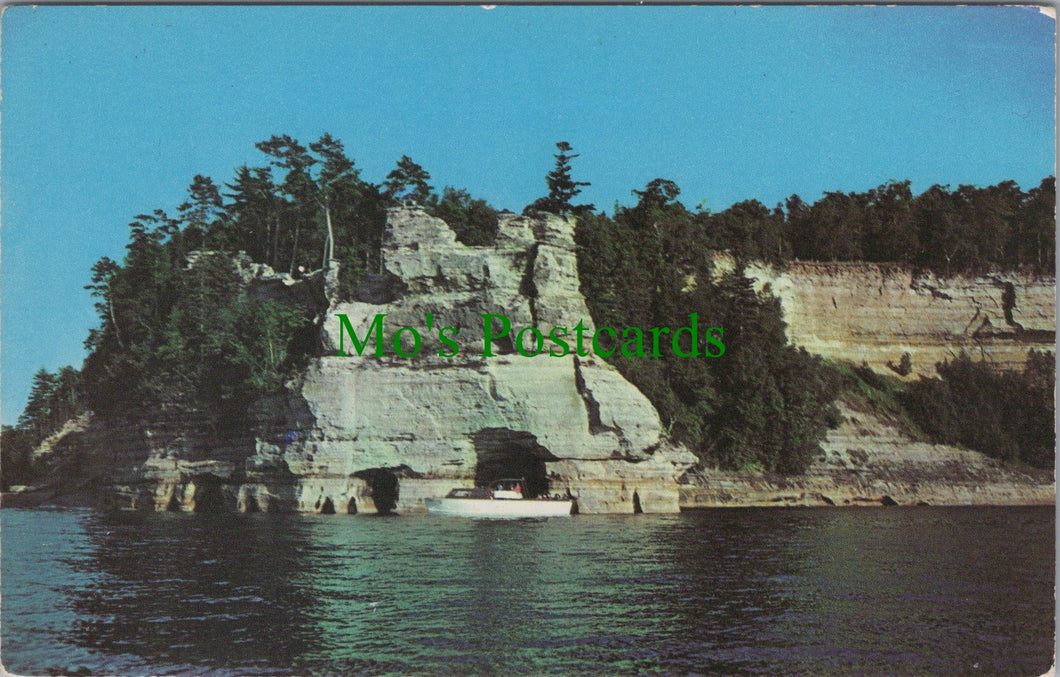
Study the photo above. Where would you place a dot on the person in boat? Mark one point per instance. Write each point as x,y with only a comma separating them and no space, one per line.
518,489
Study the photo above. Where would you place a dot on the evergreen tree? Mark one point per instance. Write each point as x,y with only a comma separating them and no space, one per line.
655,197
201,212
749,231
1037,243
890,234
763,404
37,416
562,188
408,183
943,235
254,214
54,399
333,214
16,457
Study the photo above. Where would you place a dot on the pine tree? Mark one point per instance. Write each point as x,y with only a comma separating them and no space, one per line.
408,183
561,187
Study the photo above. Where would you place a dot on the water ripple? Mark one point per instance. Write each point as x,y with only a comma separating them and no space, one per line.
885,592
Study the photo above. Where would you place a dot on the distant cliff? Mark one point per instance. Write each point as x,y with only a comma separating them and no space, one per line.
873,313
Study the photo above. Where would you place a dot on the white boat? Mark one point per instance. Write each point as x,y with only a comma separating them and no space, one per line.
502,500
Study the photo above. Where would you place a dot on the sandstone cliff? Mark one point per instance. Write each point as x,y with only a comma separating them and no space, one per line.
370,434
864,312
868,461
570,423
872,313
367,433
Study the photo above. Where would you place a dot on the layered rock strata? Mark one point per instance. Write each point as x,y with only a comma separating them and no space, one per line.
368,433
443,421
868,461
372,434
873,313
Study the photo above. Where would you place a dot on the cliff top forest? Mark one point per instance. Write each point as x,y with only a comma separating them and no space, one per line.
174,336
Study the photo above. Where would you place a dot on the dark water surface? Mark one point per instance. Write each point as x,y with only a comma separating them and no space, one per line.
918,591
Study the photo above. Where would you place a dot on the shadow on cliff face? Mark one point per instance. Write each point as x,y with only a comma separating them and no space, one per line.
511,454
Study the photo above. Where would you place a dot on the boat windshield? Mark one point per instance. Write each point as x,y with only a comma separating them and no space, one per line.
477,492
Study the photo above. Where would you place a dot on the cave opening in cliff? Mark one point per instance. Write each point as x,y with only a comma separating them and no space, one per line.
327,507
208,498
384,486
512,454
250,504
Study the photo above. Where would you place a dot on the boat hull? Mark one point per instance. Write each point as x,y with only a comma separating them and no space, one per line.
497,508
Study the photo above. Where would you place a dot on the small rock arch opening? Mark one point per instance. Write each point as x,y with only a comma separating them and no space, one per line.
250,503
351,506
512,454
208,498
174,504
384,486
327,507
636,503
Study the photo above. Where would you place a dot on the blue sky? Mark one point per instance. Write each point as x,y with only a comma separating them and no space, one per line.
108,112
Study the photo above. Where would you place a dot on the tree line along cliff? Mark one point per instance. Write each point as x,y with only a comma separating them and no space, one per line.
180,330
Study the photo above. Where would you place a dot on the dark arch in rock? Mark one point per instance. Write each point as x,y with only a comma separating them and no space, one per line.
385,488
208,497
250,503
174,503
327,507
512,454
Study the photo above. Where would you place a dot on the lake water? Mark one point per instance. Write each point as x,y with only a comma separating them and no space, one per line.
917,591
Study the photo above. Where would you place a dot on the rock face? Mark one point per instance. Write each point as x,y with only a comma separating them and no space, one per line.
873,313
870,462
435,422
368,433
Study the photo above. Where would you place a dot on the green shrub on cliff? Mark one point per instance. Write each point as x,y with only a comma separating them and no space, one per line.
1003,414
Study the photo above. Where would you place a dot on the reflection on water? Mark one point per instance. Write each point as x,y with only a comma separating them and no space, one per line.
903,591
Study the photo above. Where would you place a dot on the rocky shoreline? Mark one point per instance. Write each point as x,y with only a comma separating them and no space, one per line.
729,491
736,491
869,462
